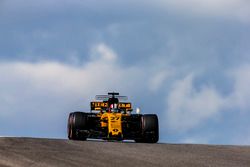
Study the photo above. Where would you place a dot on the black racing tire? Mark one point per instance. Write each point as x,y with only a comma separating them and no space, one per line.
77,121
69,127
149,129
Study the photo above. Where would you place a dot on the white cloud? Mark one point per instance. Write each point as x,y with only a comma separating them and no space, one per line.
103,53
241,93
188,107
101,72
157,80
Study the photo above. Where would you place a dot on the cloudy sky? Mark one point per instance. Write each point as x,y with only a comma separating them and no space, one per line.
187,61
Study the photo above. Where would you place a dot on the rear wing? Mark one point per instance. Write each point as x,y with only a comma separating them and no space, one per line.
104,105
106,97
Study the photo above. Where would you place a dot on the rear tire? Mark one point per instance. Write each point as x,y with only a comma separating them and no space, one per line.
149,129
77,121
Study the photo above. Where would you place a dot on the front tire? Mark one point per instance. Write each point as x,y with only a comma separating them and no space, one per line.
77,121
149,129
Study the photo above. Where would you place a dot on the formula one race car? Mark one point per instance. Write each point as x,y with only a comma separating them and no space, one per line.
113,121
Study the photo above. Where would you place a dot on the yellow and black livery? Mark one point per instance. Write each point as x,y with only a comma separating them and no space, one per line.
113,120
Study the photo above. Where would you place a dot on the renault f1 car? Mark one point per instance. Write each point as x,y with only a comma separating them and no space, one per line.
110,118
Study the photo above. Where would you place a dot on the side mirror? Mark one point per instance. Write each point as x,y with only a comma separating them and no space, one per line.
138,110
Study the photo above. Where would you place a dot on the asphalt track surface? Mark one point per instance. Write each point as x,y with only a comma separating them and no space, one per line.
59,152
